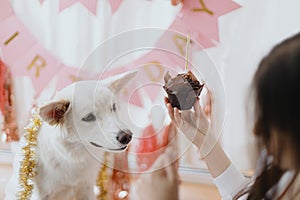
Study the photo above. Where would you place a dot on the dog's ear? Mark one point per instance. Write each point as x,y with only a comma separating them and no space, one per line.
117,83
54,112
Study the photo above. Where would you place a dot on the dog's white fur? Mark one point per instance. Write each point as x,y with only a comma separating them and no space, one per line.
67,162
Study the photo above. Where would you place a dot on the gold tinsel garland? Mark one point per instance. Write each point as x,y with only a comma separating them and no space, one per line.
102,180
28,164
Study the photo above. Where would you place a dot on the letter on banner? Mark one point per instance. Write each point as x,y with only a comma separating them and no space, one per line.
155,72
154,77
75,78
37,63
203,9
15,39
11,38
180,41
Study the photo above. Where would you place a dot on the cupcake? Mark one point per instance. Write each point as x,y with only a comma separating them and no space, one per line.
182,90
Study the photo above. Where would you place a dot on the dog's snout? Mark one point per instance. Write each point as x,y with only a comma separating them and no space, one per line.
124,136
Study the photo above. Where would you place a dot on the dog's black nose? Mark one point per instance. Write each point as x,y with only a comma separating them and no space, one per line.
124,136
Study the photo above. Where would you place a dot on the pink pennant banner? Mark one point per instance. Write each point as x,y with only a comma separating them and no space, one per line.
15,39
37,63
114,4
91,5
41,1
5,9
201,16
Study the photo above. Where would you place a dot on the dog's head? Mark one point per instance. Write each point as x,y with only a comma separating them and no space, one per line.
88,112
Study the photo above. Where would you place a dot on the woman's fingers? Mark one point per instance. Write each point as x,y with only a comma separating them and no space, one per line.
171,111
177,116
166,100
172,133
208,104
197,107
199,112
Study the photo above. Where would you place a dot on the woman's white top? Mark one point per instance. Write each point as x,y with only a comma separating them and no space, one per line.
231,181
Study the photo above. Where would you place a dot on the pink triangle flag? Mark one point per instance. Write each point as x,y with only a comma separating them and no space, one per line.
114,4
183,29
91,5
15,39
201,16
37,63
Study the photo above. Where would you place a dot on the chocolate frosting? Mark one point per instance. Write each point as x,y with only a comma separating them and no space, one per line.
182,90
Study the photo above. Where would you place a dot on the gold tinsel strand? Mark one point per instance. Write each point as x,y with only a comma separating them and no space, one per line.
28,164
102,180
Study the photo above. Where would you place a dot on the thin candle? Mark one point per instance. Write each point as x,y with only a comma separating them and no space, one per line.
188,41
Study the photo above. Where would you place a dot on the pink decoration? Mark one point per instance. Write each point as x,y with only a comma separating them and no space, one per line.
201,16
38,64
152,68
197,17
15,39
5,9
148,147
178,25
132,92
114,4
66,76
91,5
135,99
69,75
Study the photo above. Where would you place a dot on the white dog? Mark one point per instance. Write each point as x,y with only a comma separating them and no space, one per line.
80,123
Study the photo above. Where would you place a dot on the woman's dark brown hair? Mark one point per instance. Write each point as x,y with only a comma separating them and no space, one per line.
276,86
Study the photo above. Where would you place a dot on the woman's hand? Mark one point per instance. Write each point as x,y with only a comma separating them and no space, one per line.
193,124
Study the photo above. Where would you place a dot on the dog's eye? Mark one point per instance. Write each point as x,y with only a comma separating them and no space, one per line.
89,118
114,107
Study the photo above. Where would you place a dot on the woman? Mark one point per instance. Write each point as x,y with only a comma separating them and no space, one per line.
276,87
277,127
